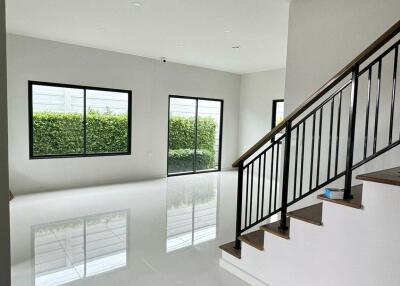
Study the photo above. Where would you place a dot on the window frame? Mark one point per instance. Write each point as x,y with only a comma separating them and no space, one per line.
195,171
274,109
31,83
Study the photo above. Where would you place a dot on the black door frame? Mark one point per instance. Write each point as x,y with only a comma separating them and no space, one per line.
195,149
273,119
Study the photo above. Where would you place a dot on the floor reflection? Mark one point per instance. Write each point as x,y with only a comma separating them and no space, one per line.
191,211
78,248
166,232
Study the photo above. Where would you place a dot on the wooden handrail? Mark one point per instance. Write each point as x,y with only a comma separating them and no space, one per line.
374,47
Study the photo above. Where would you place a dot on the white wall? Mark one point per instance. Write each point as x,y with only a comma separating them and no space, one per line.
151,82
323,37
256,94
326,35
4,205
353,247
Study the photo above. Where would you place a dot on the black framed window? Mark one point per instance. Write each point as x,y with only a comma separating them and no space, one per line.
194,135
277,112
78,121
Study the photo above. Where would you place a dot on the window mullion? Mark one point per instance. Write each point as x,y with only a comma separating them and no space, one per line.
195,137
84,123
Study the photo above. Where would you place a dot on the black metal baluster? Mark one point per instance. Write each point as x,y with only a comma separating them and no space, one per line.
258,186
271,178
302,157
276,174
330,139
338,133
312,152
319,143
396,54
367,113
247,196
378,97
350,135
285,177
239,206
263,187
295,164
251,192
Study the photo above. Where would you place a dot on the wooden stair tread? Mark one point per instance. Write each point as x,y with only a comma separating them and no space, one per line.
255,239
230,248
311,214
389,176
355,202
274,229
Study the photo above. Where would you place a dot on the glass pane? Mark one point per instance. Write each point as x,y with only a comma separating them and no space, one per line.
279,115
208,132
181,135
57,120
107,121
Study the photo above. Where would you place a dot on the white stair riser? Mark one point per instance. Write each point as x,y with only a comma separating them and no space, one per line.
353,247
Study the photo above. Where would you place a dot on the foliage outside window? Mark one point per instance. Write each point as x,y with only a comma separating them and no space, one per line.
78,121
182,143
194,135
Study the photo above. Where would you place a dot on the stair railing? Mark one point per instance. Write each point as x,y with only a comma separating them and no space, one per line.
270,179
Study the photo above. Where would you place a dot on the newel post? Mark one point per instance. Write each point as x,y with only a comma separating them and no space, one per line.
239,206
351,132
285,177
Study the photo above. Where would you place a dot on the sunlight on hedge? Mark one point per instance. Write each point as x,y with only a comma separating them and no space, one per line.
61,134
182,143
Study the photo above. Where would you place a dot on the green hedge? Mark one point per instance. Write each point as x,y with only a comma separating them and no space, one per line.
60,134
181,160
107,132
182,131
181,143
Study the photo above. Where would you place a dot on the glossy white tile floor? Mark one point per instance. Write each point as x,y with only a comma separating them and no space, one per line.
160,232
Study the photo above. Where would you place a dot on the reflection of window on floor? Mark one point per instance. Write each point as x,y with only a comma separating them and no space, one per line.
79,248
191,216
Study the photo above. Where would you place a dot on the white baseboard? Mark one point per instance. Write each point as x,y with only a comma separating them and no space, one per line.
247,277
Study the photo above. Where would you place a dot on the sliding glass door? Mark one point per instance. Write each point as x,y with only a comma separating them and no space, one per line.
182,135
194,136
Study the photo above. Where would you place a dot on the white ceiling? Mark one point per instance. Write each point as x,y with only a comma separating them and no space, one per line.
194,32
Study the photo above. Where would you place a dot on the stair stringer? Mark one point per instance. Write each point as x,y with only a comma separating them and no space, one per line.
353,247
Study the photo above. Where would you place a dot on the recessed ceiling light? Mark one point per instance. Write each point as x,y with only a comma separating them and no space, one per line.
136,4
227,31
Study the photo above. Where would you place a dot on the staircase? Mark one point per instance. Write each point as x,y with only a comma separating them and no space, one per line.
350,121
332,243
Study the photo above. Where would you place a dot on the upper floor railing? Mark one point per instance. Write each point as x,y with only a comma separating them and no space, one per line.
315,144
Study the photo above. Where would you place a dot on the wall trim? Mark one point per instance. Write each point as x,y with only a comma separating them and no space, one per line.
243,275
